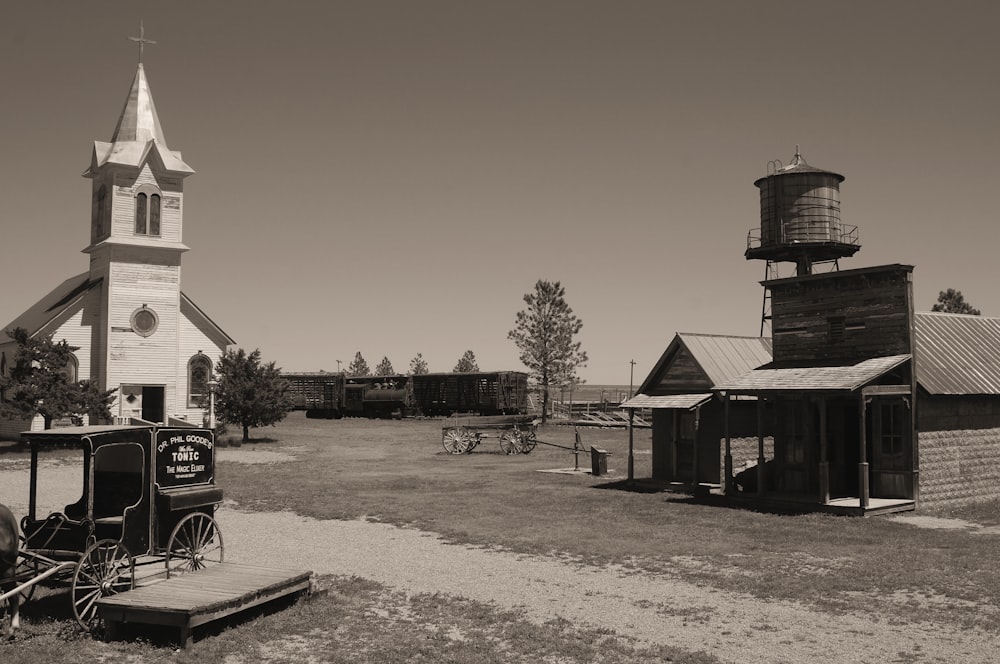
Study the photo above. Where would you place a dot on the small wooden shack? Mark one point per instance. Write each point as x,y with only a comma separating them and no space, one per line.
687,417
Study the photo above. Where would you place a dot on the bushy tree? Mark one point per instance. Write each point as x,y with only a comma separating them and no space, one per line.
38,382
544,334
358,366
418,365
466,363
384,367
250,393
953,302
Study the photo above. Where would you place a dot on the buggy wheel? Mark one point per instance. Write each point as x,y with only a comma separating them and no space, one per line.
528,442
456,441
510,441
195,543
106,568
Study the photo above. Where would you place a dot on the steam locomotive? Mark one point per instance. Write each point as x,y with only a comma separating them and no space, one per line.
336,395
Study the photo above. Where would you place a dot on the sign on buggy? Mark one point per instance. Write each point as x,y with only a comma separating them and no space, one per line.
184,457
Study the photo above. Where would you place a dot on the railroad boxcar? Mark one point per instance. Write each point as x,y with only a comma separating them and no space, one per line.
483,392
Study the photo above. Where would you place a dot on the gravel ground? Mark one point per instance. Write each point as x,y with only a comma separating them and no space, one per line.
653,609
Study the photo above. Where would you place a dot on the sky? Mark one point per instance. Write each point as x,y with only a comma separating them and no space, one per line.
391,177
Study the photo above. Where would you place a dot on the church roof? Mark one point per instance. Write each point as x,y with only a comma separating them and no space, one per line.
138,133
70,291
53,304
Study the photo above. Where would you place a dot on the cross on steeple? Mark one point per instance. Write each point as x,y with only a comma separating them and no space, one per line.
142,40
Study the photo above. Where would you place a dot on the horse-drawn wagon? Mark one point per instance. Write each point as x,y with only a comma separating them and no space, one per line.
516,434
148,499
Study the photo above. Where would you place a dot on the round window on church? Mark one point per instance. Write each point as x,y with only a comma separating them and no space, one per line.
144,321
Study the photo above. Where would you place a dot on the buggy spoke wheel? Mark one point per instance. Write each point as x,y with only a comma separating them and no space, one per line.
510,442
456,441
106,568
195,543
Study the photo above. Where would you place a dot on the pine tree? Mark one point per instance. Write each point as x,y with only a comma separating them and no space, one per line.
250,393
544,334
418,365
466,363
358,366
384,367
953,302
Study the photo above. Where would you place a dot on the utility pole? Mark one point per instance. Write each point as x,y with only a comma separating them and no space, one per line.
631,370
338,366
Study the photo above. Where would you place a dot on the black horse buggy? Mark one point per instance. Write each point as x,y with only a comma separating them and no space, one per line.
148,499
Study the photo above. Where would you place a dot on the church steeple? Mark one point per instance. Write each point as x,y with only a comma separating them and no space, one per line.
139,121
137,135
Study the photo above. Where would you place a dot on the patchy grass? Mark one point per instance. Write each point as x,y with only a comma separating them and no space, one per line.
397,471
350,621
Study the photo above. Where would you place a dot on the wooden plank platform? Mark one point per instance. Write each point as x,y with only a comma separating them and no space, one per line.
201,597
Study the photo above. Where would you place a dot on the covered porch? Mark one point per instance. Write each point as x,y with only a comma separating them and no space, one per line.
844,438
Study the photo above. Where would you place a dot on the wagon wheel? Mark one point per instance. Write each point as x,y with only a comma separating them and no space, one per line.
456,440
528,441
510,441
106,568
195,542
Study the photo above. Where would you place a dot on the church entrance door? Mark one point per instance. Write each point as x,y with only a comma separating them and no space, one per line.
143,401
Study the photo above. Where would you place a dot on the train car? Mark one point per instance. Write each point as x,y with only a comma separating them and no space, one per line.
335,395
486,393
320,394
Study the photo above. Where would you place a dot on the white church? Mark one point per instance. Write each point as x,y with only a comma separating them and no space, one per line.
135,329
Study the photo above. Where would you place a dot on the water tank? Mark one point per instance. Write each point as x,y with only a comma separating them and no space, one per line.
799,204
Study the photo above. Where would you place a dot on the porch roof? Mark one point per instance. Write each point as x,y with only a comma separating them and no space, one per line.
819,379
683,401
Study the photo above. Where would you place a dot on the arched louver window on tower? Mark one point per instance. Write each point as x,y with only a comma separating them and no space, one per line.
147,211
140,214
154,214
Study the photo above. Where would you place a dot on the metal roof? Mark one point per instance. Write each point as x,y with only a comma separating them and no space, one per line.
828,379
138,133
685,401
720,357
724,357
53,304
957,353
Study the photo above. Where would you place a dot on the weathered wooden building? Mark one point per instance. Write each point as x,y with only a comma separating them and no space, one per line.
864,406
687,417
135,329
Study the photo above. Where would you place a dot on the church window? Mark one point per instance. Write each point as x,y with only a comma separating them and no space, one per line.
144,321
71,369
199,373
154,214
100,221
147,211
140,214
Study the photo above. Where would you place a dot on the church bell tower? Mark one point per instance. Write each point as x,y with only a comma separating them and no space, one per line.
135,253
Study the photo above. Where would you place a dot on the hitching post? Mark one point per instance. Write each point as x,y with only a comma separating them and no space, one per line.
212,386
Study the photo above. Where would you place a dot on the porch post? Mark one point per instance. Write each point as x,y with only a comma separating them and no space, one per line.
694,446
863,455
761,473
824,466
728,483
631,463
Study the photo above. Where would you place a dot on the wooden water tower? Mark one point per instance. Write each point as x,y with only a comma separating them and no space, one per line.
799,222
